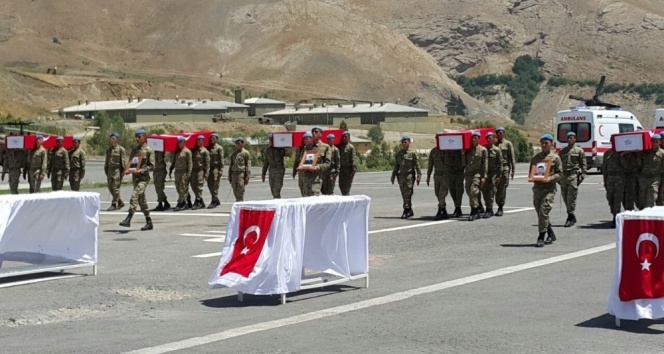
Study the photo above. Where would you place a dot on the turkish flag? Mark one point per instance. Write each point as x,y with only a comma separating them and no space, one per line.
642,275
253,230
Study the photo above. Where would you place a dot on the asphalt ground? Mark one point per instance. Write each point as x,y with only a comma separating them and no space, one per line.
448,286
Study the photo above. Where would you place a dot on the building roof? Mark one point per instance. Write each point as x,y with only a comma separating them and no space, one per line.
151,104
349,109
385,107
313,110
259,100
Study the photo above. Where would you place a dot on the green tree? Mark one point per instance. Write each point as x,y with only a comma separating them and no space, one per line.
343,126
522,148
376,134
99,142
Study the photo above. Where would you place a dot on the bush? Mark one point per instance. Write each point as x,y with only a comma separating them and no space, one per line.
376,134
522,148
343,125
99,142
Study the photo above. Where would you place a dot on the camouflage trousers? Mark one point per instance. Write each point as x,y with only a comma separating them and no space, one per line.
75,180
35,181
138,197
300,183
276,180
473,190
14,177
615,192
543,198
160,184
237,184
197,182
631,192
345,180
648,191
406,187
213,182
489,190
181,186
660,195
453,183
58,180
501,188
114,180
438,190
311,184
327,184
569,189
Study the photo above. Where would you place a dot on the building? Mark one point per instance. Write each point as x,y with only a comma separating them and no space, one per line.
259,106
366,113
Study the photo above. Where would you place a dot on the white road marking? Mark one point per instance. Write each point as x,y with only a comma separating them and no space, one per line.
216,254
196,235
216,232
33,281
216,240
395,297
152,214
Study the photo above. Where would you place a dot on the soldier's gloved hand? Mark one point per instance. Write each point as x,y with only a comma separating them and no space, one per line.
293,175
428,179
418,181
263,178
512,176
246,180
392,179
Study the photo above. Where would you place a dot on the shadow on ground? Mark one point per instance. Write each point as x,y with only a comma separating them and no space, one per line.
231,301
607,321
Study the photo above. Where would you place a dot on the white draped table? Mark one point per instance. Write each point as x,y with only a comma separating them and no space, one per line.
269,243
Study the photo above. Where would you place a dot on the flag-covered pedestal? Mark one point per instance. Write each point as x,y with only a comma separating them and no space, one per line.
637,290
270,243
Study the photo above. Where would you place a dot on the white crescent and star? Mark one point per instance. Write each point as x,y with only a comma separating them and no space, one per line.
643,238
248,231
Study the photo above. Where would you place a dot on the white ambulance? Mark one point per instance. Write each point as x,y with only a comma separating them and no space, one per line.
658,122
593,126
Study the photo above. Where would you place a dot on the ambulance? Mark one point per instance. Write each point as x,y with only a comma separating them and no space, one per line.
593,126
658,122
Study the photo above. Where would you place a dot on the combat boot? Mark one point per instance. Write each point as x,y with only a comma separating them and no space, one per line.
167,206
443,214
179,207
573,218
569,222
438,216
189,205
405,212
500,211
113,207
409,213
127,222
488,213
457,212
160,207
121,205
202,204
540,240
197,204
480,209
551,238
213,204
473,213
148,224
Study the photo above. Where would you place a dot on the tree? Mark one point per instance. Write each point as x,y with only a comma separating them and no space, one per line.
343,126
522,148
376,134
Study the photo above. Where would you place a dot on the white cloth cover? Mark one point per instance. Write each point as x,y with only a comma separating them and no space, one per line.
651,308
49,227
326,233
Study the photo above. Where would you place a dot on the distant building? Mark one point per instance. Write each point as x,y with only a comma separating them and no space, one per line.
364,113
259,106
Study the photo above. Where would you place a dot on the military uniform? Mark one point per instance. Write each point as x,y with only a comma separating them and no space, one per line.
239,170
476,170
454,164
299,173
630,164
182,163
406,170
509,162
347,167
141,181
329,177
159,176
199,174
273,161
494,173
15,160
38,166
574,168
216,166
436,165
58,168
649,176
544,193
76,168
114,168
614,181
312,180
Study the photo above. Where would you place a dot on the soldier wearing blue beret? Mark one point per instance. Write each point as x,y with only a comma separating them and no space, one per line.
544,188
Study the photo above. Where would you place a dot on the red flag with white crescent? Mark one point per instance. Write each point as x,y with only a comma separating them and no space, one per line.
642,275
253,230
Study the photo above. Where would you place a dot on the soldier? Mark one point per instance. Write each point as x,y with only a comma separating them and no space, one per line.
454,163
574,171
307,140
614,181
76,165
141,178
660,194
406,168
630,164
199,172
312,179
160,181
216,169
330,177
58,166
436,165
273,160
509,162
544,191
15,160
650,174
239,169
38,165
182,162
494,173
114,168
347,164
475,174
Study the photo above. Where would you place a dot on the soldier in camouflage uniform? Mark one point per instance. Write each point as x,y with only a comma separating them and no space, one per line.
307,141
38,165
494,173
273,160
141,179
475,174
216,170
76,165
330,177
454,163
406,168
159,176
574,171
614,181
509,162
660,194
199,173
630,164
312,179
239,170
114,169
182,163
58,166
436,165
347,164
651,173
15,160
544,191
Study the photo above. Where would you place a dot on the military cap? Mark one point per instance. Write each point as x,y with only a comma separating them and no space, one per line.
40,137
404,138
181,138
570,134
656,137
77,139
201,137
345,133
239,139
546,137
214,135
489,134
115,135
316,128
500,129
330,136
140,131
59,138
476,133
307,135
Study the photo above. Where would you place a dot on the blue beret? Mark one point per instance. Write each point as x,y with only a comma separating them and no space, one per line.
59,138
307,135
140,131
238,139
115,135
40,137
546,137
570,134
404,138
346,133
656,136
77,138
476,133
201,137
316,128
330,136
489,134
215,135
181,138
500,129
